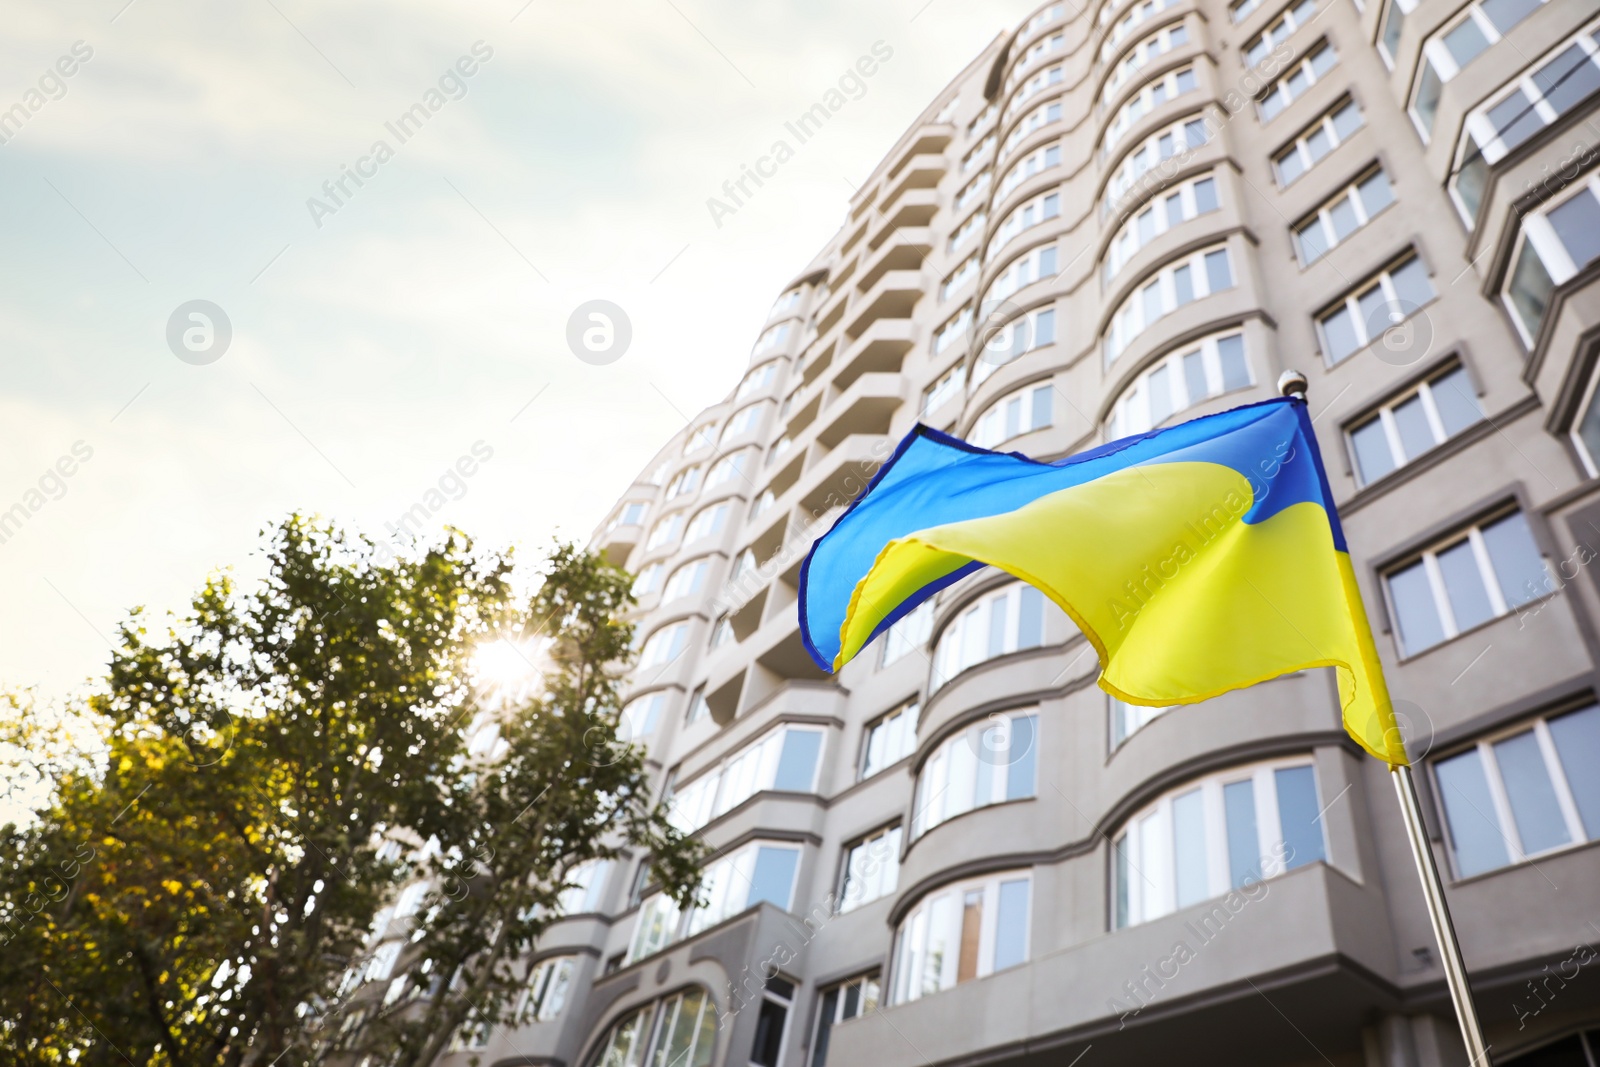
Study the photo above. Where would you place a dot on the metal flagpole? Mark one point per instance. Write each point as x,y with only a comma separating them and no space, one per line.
1293,384
1444,931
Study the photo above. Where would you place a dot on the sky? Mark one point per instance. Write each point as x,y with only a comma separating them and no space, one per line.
355,342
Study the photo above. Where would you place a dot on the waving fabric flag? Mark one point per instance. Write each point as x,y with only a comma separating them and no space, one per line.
1197,559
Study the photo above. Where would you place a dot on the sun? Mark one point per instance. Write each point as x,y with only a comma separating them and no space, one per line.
502,664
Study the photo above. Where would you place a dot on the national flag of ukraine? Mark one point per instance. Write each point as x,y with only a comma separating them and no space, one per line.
1197,559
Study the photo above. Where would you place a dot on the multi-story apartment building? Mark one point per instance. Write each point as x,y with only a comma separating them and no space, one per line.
958,850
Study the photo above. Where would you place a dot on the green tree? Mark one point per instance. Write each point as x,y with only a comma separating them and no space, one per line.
194,895
563,790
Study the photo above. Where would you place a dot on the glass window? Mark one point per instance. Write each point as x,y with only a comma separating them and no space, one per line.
840,1003
909,633
762,871
1564,77
547,988
1413,424
786,759
1366,313
1012,415
997,624
706,522
1294,84
664,646
1518,794
1214,366
686,580
960,932
1196,275
1586,431
1318,139
987,763
1185,136
1225,831
1128,719
1347,212
1556,243
679,1031
871,868
1490,571
889,739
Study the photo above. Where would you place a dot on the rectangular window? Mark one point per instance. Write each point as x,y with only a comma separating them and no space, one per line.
1161,91
1278,32
1451,47
1318,139
1138,57
1195,197
1346,213
1374,311
909,633
1523,793
838,1004
1180,137
948,386
547,988
1037,119
889,739
1557,242
1416,422
1560,80
871,868
1486,572
1023,411
1294,84
761,872
1035,162
963,274
1128,719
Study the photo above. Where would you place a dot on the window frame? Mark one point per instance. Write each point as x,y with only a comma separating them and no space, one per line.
1129,321
1350,304
1307,67
1325,125
935,772
889,838
1444,612
1435,55
1126,421
907,713
1322,215
1384,413
1271,860
1504,817
909,959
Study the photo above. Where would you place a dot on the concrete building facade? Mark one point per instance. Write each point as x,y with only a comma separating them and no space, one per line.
959,850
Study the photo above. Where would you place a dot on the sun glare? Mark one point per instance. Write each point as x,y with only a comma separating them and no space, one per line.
501,663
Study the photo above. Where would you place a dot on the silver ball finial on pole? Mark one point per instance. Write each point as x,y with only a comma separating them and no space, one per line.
1292,383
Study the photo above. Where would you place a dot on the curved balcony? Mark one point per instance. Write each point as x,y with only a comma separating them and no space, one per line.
1332,976
894,296
835,476
866,407
916,172
906,249
619,542
915,207
881,349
